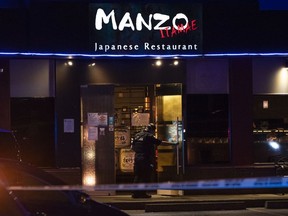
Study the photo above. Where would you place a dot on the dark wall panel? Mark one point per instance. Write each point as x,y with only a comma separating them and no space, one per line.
4,94
14,30
241,111
135,71
67,106
59,27
33,122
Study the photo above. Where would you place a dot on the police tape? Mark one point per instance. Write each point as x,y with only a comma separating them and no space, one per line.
245,183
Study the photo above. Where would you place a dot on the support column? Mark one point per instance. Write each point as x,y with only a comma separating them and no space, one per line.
241,110
5,121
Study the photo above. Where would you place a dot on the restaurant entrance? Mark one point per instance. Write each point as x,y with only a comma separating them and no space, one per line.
112,114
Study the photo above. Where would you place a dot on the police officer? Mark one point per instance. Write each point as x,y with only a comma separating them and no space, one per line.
144,145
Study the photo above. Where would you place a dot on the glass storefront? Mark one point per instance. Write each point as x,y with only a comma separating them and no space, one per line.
205,117
270,127
207,129
135,107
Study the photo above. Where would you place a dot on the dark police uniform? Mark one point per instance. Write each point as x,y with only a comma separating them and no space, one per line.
144,145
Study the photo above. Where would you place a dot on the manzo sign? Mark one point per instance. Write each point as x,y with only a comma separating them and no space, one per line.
145,29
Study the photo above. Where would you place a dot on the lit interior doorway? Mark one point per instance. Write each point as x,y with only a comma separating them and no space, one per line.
135,107
127,109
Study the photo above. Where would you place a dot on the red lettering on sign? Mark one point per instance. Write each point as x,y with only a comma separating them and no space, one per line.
166,33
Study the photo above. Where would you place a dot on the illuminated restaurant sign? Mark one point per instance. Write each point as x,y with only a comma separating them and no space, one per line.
145,29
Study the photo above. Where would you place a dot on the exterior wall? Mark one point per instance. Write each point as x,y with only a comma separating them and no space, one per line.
232,76
32,109
5,120
120,71
67,106
204,76
269,77
31,78
40,29
207,76
241,111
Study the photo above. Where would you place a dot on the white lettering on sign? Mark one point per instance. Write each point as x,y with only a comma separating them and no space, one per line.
101,17
141,21
127,22
180,16
162,19
146,46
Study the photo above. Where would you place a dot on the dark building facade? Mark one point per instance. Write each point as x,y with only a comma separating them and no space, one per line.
79,78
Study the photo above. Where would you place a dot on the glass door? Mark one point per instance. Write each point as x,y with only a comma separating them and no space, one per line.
168,101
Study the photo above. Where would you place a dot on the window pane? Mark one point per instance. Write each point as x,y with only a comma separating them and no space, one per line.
207,129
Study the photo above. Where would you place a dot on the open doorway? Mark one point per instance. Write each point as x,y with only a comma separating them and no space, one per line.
135,107
113,114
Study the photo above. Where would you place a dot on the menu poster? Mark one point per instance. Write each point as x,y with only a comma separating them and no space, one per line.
122,138
92,133
127,160
68,125
97,119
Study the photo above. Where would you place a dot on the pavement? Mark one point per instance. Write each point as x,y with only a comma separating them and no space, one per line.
158,203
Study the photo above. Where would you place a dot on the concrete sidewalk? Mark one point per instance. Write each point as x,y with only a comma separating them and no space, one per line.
194,202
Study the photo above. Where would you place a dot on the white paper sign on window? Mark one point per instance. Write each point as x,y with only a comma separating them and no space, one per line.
92,133
97,119
68,125
140,119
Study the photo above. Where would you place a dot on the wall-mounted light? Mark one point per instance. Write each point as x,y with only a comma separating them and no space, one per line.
69,63
158,63
1,70
176,62
265,104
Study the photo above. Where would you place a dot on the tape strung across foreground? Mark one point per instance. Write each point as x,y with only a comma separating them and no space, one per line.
246,183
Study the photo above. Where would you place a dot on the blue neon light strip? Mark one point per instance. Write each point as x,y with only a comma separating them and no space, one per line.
67,55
